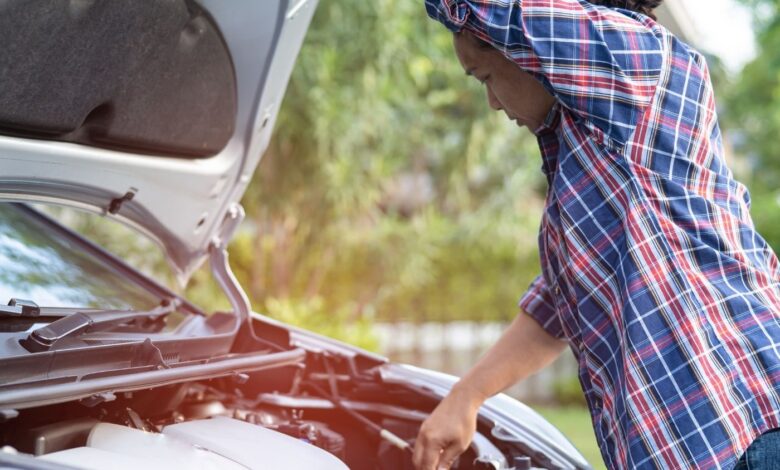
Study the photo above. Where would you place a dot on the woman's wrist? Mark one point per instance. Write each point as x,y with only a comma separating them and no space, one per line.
468,392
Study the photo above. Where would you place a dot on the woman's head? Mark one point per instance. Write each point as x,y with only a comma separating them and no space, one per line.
522,98
510,89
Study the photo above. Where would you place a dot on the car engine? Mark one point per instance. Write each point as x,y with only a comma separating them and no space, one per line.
241,421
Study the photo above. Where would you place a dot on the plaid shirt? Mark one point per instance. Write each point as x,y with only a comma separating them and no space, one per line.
652,268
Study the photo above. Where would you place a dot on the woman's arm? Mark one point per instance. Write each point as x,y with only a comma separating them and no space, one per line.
524,348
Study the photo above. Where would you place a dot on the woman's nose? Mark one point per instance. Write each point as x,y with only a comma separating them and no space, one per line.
492,100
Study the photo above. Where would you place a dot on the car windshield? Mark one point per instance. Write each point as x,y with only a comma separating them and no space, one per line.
42,264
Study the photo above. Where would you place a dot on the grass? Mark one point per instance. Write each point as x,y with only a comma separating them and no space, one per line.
575,423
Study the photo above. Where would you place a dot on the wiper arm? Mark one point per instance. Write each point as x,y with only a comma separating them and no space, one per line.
45,337
20,308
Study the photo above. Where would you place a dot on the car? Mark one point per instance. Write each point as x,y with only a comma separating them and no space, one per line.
155,114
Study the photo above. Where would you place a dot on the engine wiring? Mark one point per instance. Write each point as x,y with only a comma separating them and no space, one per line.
334,397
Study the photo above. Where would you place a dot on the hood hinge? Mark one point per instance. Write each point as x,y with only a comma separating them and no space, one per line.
220,267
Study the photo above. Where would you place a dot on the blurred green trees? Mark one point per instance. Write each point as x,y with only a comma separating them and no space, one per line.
390,189
753,116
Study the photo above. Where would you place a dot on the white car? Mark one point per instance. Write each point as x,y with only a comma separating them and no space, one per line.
156,113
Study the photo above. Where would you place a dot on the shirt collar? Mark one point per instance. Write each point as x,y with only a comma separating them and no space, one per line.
547,136
551,121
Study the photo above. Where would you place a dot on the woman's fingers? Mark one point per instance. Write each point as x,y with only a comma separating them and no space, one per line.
446,433
419,448
435,452
449,454
426,451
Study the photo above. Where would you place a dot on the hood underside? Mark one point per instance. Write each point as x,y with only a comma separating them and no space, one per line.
155,113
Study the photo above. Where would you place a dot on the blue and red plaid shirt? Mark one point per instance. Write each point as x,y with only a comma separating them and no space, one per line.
652,268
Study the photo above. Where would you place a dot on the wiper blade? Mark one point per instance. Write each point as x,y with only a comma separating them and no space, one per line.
80,322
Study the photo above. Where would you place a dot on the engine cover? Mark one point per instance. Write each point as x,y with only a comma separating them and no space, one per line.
218,443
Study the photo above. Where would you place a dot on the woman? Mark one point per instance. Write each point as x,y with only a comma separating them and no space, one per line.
653,273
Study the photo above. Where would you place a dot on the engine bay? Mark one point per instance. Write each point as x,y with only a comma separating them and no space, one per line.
282,414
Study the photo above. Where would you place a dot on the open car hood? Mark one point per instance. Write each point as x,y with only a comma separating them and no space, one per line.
155,113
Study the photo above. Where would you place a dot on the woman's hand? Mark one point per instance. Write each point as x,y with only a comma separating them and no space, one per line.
524,348
448,431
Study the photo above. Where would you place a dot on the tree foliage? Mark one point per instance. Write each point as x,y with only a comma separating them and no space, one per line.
753,104
390,188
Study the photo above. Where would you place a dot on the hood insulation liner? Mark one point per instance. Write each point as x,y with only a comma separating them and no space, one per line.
151,76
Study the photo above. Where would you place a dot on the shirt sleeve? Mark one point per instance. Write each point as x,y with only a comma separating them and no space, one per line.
602,64
538,303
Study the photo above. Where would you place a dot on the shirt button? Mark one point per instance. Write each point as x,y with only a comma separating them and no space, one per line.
557,290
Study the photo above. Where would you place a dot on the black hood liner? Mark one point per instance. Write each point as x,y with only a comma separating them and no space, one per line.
151,76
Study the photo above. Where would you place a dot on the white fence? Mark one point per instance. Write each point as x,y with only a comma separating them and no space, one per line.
454,347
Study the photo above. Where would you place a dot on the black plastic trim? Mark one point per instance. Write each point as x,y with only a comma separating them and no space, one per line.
30,397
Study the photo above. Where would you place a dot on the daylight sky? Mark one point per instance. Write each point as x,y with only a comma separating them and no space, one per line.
724,28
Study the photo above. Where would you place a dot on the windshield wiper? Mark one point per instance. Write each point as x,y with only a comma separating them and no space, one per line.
20,308
45,337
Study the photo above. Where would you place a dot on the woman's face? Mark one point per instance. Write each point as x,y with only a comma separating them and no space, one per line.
522,98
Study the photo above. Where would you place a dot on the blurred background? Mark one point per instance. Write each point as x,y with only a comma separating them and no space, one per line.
394,210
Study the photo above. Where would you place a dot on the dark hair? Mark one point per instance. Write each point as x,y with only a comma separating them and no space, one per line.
644,7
